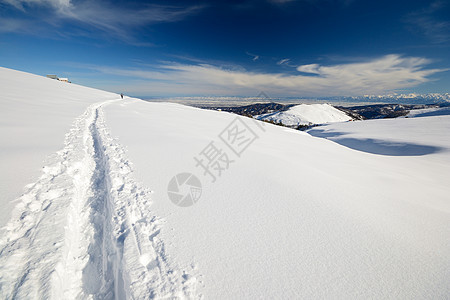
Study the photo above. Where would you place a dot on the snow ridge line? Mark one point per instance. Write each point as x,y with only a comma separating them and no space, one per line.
83,230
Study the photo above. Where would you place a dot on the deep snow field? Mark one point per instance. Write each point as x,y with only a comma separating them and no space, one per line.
347,210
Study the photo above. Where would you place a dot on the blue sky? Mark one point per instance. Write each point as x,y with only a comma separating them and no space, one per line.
236,47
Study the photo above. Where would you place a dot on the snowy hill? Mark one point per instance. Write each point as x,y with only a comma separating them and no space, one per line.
305,114
35,114
429,112
351,210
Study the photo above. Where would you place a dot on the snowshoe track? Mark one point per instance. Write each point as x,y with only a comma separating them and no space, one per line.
85,228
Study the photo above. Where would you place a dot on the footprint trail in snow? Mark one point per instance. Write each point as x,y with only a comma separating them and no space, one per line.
84,229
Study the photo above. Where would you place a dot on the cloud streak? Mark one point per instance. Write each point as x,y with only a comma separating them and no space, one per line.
255,57
24,4
429,24
101,15
283,61
377,76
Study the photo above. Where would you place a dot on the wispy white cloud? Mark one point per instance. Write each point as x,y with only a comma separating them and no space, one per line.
101,15
311,68
255,57
427,22
24,4
286,62
283,61
119,20
376,76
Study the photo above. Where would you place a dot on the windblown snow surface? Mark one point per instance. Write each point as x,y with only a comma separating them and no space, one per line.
347,210
305,114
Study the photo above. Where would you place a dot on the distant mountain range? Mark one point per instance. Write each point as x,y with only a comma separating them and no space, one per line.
397,98
213,101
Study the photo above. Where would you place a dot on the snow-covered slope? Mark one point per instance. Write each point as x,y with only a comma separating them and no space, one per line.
83,228
352,210
305,114
35,114
297,216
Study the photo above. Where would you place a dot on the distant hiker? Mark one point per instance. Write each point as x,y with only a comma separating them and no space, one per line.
121,95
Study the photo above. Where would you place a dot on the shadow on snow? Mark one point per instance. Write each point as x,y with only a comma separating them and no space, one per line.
374,146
